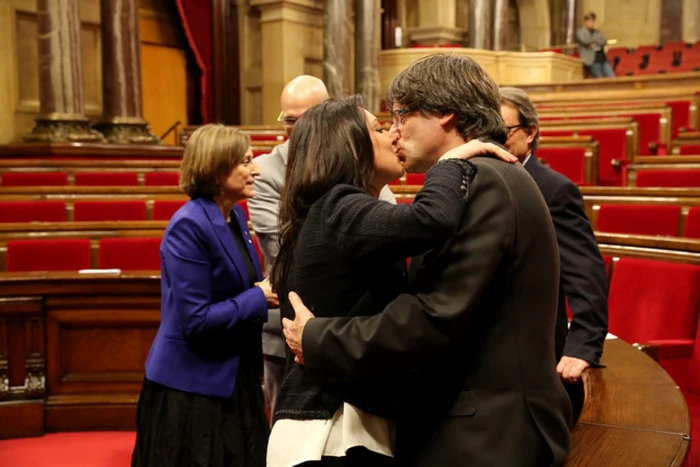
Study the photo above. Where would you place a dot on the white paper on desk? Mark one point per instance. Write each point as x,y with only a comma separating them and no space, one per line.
100,271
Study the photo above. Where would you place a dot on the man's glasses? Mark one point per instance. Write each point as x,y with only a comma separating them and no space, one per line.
398,115
511,128
289,121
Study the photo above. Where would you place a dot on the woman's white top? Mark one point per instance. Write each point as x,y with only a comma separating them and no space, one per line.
293,442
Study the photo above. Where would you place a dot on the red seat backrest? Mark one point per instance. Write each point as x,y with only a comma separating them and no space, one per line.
106,179
130,253
692,223
639,219
163,209
69,254
102,211
161,178
34,179
570,162
649,130
612,145
651,300
689,149
668,178
32,211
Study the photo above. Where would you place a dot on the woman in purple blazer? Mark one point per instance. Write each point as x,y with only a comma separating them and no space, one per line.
201,403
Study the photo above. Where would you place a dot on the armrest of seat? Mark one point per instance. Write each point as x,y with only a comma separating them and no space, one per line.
674,348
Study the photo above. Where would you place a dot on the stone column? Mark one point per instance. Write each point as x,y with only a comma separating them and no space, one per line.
367,48
480,21
338,38
565,17
122,120
437,24
501,25
61,117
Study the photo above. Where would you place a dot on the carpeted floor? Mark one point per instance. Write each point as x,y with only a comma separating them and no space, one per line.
89,449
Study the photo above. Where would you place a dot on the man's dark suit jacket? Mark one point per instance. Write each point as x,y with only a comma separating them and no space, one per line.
480,327
583,279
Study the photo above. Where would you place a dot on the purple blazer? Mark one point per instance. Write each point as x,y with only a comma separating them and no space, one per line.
206,302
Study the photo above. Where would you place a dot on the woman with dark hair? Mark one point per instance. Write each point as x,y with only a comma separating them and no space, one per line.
201,403
342,249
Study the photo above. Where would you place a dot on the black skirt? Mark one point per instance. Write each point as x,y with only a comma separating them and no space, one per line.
180,429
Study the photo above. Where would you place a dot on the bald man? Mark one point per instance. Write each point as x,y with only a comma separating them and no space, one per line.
299,95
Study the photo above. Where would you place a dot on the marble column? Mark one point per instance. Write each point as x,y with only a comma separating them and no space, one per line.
367,48
480,21
501,25
338,38
122,119
62,107
564,20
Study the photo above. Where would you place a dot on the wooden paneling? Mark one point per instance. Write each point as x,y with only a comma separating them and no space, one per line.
164,93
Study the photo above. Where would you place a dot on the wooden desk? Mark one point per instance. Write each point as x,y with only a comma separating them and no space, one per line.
633,413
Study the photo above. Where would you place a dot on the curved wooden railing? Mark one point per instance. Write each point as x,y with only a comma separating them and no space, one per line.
633,414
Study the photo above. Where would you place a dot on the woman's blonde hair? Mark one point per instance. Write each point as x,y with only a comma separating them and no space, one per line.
210,154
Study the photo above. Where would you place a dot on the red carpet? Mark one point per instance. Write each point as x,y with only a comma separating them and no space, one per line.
93,449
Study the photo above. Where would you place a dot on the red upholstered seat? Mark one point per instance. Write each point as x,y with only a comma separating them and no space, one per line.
649,131
612,145
244,204
668,178
106,179
656,302
570,162
163,209
130,254
639,219
689,149
34,179
100,211
32,211
404,200
692,223
415,179
161,178
48,255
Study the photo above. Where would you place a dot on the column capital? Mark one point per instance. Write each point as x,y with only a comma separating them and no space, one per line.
307,12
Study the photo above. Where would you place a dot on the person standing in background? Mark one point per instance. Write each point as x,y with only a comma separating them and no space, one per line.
591,48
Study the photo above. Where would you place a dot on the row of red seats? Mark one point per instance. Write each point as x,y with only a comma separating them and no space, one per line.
42,178
681,111
642,219
657,302
91,211
131,254
673,57
571,163
74,254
